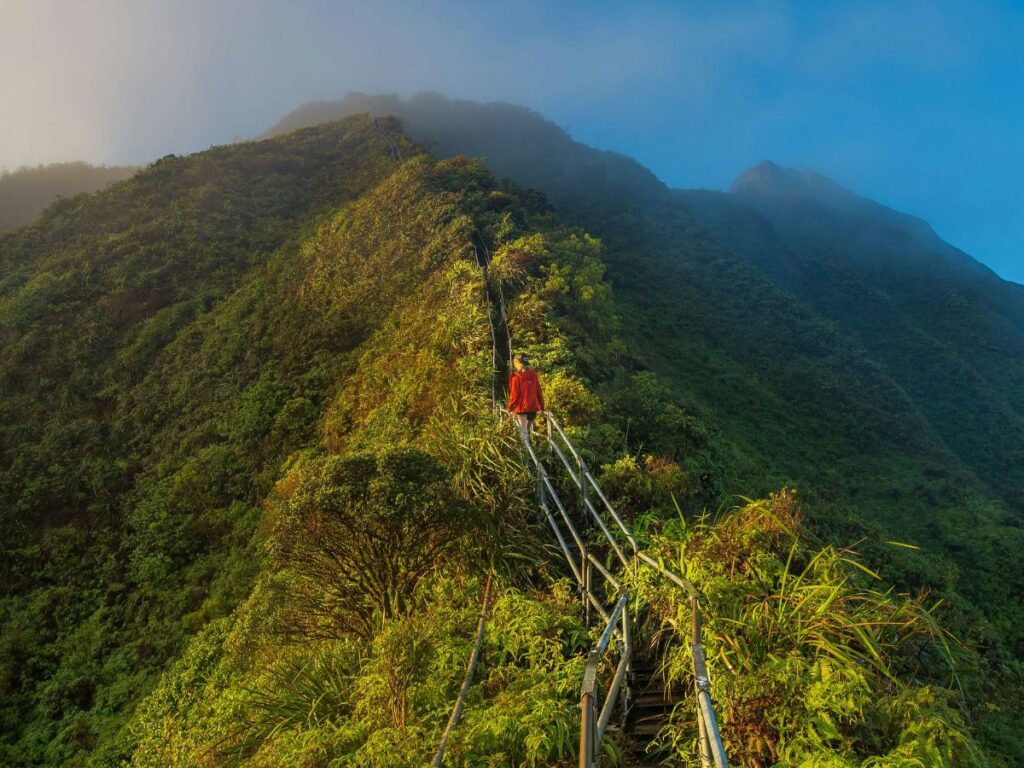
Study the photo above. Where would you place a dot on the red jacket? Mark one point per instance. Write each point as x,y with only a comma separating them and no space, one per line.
524,395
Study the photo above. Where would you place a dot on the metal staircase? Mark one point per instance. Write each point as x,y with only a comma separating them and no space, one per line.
591,533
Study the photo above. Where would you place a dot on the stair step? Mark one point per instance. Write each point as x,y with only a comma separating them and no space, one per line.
651,701
646,717
648,729
642,759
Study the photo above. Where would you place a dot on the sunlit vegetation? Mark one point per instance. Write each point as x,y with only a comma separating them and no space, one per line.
252,485
818,662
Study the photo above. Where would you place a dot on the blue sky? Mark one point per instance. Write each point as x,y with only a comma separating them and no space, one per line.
919,105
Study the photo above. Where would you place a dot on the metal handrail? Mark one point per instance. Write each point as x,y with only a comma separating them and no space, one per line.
581,483
467,680
592,725
592,729
394,150
617,622
587,478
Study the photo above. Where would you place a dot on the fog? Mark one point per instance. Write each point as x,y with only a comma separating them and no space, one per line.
915,104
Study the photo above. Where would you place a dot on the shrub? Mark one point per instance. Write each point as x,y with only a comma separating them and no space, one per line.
361,533
814,665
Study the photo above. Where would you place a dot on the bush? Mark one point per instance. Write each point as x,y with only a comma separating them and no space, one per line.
814,665
361,533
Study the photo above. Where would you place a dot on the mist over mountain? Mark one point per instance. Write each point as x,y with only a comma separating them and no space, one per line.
24,193
814,204
517,142
252,484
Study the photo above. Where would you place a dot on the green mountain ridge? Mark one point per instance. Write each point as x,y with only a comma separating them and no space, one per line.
816,294
210,370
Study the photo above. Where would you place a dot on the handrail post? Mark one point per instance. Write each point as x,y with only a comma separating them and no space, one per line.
588,580
702,737
712,752
540,485
588,705
583,494
587,731
627,650
695,622
703,742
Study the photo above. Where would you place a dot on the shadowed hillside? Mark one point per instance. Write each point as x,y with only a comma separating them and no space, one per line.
24,193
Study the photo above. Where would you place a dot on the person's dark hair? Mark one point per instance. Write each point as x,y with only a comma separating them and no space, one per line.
522,358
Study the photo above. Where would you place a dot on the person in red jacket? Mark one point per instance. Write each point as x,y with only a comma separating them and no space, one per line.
525,398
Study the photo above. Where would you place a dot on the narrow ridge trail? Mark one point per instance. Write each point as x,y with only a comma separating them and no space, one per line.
594,540
602,556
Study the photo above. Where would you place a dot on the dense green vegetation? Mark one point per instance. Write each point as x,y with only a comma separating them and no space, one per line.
146,407
252,483
829,343
26,192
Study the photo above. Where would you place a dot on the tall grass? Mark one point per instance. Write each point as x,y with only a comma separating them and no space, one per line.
810,660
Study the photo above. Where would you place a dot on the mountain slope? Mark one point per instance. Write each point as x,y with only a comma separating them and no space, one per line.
836,343
184,351
150,387
948,330
26,192
253,483
825,340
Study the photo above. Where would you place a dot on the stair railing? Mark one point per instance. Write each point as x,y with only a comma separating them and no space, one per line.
593,725
596,712
712,751
617,620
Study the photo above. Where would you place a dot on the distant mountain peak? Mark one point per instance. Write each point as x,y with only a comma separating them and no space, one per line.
517,142
767,179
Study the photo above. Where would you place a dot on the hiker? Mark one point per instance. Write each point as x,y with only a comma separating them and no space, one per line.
525,399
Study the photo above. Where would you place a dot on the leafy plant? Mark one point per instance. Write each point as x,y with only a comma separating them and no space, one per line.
361,533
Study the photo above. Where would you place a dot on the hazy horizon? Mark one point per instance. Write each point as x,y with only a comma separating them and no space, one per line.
913,104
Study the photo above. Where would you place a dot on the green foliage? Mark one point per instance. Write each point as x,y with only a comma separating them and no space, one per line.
156,367
361,533
646,484
242,695
569,397
192,389
530,714
250,477
811,664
